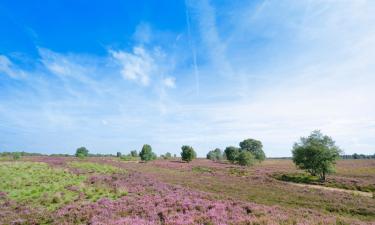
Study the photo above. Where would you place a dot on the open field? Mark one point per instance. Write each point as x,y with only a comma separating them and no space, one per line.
65,190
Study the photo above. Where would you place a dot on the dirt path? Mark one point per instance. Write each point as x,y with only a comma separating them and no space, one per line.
361,193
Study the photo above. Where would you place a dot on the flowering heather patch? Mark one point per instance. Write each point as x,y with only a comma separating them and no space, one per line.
200,192
153,202
52,161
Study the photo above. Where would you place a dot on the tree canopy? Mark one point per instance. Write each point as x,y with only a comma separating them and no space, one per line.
188,153
82,152
246,158
316,154
232,153
215,154
255,147
146,153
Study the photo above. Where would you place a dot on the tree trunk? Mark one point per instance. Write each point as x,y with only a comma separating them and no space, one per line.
323,176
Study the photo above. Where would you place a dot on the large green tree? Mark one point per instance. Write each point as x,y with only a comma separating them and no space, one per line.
146,153
255,147
232,153
246,158
188,153
82,152
316,154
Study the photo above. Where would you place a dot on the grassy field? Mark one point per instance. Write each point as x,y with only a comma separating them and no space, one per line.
63,190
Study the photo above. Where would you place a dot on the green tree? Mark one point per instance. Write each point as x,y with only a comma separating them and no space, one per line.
118,154
255,147
215,154
16,155
188,153
231,153
146,153
246,158
134,153
82,152
167,155
316,154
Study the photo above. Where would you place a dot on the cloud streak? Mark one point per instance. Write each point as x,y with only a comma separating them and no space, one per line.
272,71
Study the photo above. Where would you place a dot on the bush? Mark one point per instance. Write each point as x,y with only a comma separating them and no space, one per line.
255,147
129,157
166,156
82,152
16,155
188,153
246,158
215,155
134,153
146,153
231,153
316,154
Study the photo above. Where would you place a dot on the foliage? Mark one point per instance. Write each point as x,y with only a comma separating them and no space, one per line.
167,155
118,154
21,154
16,155
134,153
82,152
246,158
358,156
129,157
255,147
188,153
316,154
297,178
215,155
231,153
146,153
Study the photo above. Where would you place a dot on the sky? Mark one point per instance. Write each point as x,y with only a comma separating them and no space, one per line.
114,75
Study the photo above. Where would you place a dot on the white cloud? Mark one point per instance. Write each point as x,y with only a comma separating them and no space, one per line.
137,66
169,82
7,68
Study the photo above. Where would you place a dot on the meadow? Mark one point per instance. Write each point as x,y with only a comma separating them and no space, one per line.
108,190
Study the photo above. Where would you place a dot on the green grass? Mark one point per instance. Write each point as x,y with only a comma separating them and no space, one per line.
38,184
201,169
90,167
238,172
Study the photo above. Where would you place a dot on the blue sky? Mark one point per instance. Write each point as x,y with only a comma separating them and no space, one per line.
114,75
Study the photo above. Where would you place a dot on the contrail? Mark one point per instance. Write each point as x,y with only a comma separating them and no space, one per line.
193,51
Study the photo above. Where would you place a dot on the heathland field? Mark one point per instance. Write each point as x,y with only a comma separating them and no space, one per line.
67,190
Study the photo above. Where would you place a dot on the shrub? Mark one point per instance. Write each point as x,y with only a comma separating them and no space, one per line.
188,153
129,157
246,158
82,152
231,153
134,153
146,153
215,155
316,154
255,147
16,155
166,156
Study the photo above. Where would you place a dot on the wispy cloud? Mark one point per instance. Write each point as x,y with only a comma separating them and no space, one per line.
271,70
9,69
